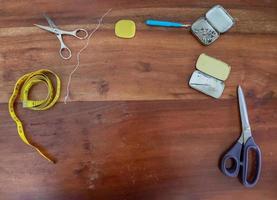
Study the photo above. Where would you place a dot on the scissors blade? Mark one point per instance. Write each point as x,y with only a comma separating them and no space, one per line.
46,28
243,111
50,22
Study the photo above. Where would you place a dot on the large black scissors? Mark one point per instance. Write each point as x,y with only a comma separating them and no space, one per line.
238,154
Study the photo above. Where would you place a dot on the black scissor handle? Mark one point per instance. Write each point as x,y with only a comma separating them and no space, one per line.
234,155
250,145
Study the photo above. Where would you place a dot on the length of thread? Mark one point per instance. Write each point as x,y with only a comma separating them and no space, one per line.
78,57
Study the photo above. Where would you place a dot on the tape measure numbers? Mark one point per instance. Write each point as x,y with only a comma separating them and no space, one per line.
22,88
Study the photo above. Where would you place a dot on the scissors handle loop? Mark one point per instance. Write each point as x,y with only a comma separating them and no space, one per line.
78,33
232,155
65,52
251,146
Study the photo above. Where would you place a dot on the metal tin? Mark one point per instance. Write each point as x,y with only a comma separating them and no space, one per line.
204,31
220,19
208,28
206,84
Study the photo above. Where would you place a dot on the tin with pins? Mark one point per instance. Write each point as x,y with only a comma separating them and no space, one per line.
207,28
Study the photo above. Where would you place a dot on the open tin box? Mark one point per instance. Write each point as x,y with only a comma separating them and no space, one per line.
210,76
209,27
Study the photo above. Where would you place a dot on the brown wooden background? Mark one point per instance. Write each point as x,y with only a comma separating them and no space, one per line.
134,129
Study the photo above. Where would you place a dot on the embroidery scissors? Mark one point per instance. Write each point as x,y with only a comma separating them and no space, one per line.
65,52
238,154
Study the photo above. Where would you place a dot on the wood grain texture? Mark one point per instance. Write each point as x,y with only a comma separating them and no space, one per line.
135,150
164,144
156,64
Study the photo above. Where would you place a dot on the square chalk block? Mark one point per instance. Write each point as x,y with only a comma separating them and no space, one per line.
213,67
125,28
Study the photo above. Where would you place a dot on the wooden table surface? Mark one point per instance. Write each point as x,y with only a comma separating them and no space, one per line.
133,128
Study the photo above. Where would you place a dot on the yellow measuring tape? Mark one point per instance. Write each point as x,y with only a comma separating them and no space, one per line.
22,87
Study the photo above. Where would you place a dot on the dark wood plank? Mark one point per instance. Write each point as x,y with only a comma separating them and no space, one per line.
135,150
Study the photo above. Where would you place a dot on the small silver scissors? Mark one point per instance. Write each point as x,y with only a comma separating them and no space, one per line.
239,152
65,52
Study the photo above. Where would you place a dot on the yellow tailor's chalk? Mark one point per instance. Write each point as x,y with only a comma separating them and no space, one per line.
125,28
213,67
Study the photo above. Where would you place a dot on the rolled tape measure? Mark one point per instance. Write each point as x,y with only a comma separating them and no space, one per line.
22,88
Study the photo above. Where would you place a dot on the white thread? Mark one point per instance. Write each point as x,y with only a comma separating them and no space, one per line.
78,56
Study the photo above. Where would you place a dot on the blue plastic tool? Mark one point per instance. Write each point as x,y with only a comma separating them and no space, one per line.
152,22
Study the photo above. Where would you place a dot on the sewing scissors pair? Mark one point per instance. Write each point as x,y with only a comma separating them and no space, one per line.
238,154
65,52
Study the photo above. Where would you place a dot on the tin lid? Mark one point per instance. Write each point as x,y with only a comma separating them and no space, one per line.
220,19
